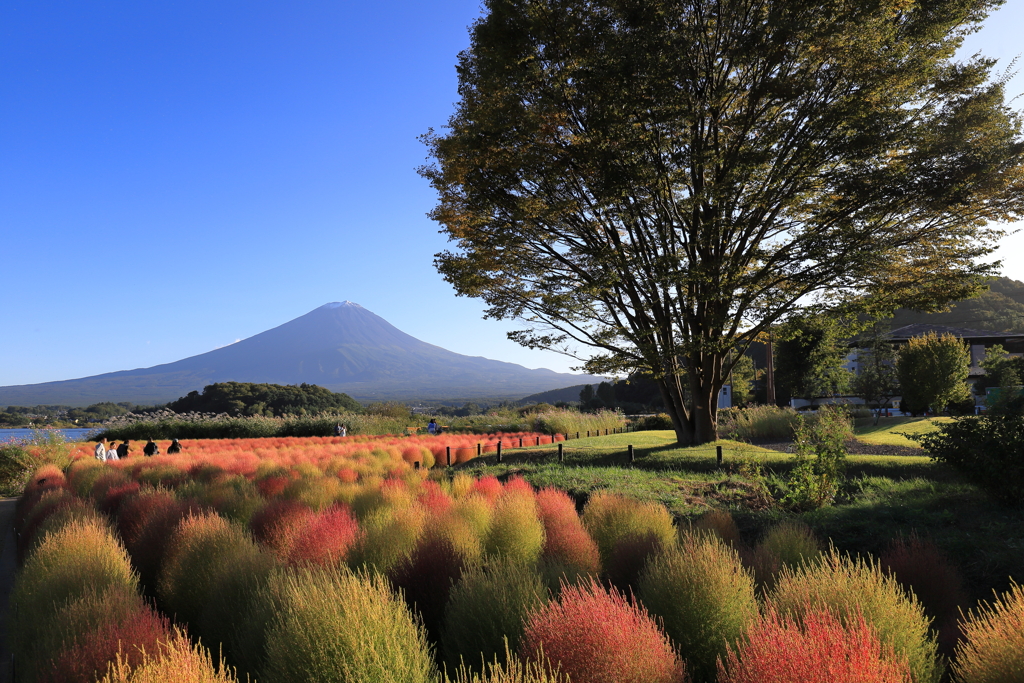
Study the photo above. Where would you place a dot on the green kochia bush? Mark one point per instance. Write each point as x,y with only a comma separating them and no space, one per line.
338,626
854,586
610,518
487,610
704,597
993,647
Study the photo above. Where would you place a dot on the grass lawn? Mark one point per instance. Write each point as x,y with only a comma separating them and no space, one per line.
890,431
884,496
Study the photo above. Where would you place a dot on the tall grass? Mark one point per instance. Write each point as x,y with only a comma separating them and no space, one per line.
704,598
818,649
18,461
760,422
487,611
511,669
993,647
849,586
571,421
340,626
166,425
596,636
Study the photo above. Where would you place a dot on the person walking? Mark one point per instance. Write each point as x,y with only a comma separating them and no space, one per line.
123,449
101,450
175,447
150,449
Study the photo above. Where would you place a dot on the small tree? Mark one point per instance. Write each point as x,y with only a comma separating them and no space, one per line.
878,381
1001,369
810,358
933,371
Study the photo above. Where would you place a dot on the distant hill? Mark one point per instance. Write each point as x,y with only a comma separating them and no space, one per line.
566,394
1000,309
339,346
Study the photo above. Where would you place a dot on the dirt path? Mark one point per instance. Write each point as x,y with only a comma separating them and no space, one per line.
8,565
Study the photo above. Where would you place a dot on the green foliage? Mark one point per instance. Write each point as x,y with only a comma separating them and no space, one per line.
246,398
704,598
582,198
338,626
877,381
1001,369
515,533
985,449
786,545
998,307
659,422
742,378
19,460
169,425
611,518
820,459
391,409
486,612
809,358
933,370
849,587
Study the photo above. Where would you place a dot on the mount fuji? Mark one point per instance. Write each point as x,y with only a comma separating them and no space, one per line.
340,346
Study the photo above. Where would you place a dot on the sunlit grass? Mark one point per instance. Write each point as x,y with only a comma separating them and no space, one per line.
890,430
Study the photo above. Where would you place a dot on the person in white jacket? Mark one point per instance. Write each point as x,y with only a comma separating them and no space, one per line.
101,450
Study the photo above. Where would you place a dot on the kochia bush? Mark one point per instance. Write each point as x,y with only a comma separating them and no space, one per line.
817,649
993,647
610,517
596,636
703,596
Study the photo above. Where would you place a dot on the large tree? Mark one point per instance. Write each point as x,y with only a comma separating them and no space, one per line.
651,184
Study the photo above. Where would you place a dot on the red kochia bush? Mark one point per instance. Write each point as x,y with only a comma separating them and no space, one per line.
818,650
133,514
921,567
596,636
279,522
114,496
326,538
86,660
566,542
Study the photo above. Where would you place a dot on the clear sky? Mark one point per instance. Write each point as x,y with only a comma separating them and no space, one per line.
175,176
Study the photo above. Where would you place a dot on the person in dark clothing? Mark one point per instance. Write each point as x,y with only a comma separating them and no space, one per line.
151,448
175,447
123,449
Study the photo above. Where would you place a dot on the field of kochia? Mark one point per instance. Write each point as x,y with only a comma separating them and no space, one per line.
365,559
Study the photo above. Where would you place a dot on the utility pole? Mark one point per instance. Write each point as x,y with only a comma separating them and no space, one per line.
770,379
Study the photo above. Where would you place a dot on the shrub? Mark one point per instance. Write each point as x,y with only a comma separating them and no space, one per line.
426,577
720,523
704,598
388,537
596,636
175,660
93,651
813,483
661,421
487,611
787,544
921,568
569,550
629,556
513,670
81,559
819,649
515,531
325,539
276,523
610,517
847,587
992,650
153,540
133,514
199,559
984,449
82,474
339,626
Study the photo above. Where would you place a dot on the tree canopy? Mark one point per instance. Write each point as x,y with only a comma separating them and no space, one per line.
933,371
650,185
247,398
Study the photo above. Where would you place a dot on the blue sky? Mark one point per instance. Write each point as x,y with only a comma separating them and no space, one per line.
177,176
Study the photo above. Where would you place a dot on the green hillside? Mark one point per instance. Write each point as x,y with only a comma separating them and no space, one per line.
1000,308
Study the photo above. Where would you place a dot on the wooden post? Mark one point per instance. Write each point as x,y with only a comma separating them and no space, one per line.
479,449
520,442
538,440
448,454
770,374
416,465
499,451
561,455
718,455
577,435
632,456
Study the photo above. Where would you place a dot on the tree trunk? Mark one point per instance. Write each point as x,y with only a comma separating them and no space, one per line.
699,424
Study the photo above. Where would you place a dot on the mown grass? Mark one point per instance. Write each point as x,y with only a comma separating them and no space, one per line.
891,431
884,497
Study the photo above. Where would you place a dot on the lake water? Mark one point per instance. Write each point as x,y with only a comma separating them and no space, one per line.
22,434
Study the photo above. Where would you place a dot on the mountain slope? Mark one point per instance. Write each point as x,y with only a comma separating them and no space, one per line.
340,346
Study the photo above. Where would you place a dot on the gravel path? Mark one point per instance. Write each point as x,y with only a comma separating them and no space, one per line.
8,565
